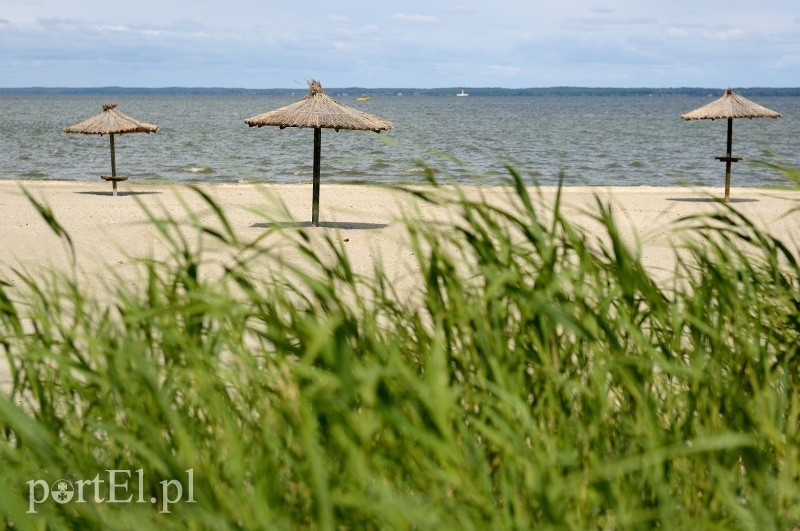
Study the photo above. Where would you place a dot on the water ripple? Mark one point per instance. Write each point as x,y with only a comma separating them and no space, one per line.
592,140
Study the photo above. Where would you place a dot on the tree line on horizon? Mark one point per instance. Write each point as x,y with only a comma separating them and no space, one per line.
445,91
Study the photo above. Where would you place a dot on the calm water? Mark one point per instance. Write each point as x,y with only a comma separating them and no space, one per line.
593,140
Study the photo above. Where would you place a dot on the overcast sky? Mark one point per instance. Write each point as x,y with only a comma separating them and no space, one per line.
412,43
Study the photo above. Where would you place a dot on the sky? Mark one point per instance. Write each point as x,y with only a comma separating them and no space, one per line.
392,43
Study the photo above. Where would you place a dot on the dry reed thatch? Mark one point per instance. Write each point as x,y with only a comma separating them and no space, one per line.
111,121
730,105
318,110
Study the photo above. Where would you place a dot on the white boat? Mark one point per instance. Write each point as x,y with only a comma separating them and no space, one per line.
462,93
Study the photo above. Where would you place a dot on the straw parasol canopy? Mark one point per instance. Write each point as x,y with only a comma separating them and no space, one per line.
316,111
731,105
111,122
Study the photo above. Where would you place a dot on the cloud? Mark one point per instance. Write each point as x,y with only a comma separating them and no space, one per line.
74,52
676,33
458,9
730,34
133,31
600,18
788,62
425,19
505,70
377,44
369,29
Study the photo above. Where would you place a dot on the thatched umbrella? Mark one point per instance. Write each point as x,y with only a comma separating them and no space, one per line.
731,105
318,110
111,122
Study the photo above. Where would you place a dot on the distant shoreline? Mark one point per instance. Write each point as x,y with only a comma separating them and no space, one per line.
394,92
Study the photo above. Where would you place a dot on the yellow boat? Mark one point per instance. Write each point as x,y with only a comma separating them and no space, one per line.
362,98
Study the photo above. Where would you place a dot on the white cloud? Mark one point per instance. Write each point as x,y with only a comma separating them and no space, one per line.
598,21
515,43
730,34
458,9
426,19
788,62
676,33
505,70
369,29
136,31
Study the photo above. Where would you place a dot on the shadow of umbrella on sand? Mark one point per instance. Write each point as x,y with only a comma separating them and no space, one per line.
111,122
318,110
731,105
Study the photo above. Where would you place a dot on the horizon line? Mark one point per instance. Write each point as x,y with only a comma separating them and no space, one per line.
350,87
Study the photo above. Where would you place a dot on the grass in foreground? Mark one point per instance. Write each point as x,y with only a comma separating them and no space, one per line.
541,378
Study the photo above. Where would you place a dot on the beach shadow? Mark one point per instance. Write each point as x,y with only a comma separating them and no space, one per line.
710,200
111,194
345,225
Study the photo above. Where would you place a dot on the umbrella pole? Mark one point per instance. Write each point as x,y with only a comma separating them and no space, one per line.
113,166
113,162
315,193
728,163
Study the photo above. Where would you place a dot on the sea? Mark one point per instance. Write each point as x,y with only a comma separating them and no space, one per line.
579,140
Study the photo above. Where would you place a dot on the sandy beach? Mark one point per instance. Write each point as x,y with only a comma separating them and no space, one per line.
108,232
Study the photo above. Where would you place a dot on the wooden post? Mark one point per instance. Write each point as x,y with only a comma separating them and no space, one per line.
728,163
315,192
113,162
114,181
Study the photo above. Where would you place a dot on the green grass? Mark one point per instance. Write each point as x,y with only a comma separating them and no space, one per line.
540,378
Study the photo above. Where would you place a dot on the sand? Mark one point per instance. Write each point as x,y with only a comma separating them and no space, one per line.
107,231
